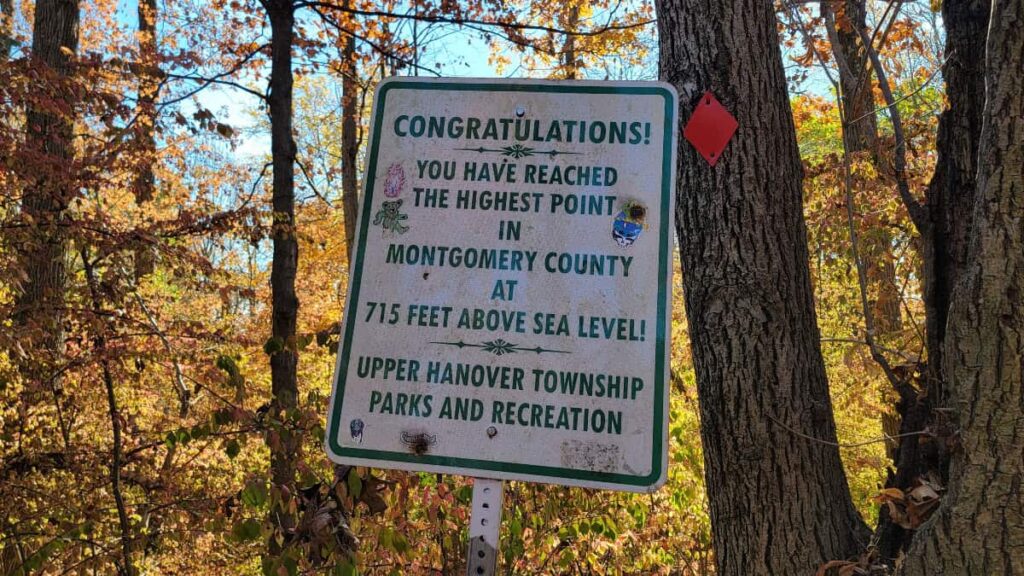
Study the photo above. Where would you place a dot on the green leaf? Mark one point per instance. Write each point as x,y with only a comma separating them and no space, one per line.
344,567
223,416
400,544
246,530
227,364
291,566
355,484
273,345
255,494
200,431
232,448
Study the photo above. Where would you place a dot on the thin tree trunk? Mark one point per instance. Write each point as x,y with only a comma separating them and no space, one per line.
844,27
854,72
6,22
569,65
779,503
949,200
39,306
149,74
349,146
350,105
127,567
283,441
979,528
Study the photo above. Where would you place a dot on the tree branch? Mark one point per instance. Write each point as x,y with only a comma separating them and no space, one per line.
179,385
474,21
885,438
918,214
128,569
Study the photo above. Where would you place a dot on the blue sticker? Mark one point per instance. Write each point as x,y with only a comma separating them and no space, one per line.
629,223
356,427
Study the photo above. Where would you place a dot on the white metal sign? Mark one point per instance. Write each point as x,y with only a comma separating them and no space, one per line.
509,302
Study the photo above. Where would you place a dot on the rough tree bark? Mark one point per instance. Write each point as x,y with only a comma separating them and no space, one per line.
944,240
979,528
950,195
283,441
149,83
39,306
349,141
780,503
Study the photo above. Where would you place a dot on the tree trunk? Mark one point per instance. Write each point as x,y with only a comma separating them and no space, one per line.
6,25
281,436
779,499
950,197
39,306
844,28
854,74
149,74
569,64
349,146
979,528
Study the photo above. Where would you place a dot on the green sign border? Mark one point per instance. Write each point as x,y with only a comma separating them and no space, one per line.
336,449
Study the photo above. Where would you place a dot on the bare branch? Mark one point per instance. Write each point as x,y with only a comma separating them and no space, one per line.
312,186
901,386
474,21
917,212
885,438
179,385
217,79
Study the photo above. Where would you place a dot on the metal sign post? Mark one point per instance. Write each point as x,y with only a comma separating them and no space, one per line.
484,525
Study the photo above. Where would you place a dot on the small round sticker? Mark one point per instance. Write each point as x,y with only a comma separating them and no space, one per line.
629,223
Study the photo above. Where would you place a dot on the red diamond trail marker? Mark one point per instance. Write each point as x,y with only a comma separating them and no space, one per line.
710,128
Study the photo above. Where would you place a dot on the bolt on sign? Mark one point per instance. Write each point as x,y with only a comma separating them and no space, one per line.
509,301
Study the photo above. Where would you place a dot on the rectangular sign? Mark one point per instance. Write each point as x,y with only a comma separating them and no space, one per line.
510,291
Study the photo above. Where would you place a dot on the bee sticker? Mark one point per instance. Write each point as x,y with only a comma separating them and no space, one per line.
628,224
